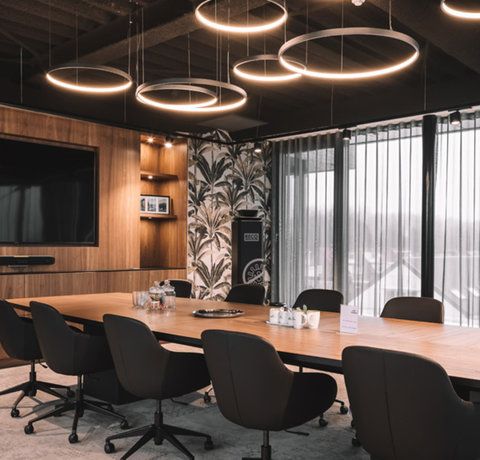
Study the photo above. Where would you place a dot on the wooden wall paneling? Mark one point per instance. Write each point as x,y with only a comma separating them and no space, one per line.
164,243
10,285
118,159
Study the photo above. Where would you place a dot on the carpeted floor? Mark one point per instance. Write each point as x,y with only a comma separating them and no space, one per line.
231,442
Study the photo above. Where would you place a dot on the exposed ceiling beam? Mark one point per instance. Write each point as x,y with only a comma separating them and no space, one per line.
83,10
440,30
115,7
168,31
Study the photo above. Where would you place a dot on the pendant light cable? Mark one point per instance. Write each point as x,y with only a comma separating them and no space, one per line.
21,75
342,45
49,33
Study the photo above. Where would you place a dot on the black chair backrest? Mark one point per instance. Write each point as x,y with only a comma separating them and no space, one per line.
253,294
415,309
140,362
56,339
404,406
320,299
17,334
183,288
251,383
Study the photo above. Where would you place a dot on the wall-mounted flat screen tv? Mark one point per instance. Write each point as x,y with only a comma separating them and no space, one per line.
48,194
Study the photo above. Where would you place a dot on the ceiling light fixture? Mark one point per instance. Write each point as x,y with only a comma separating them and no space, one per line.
170,85
150,140
346,134
241,29
343,32
200,83
88,88
168,143
459,13
456,118
257,148
240,71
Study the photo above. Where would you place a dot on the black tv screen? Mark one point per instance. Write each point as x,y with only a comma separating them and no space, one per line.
47,194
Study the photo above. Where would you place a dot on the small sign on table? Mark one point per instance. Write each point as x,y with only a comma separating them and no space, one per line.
348,319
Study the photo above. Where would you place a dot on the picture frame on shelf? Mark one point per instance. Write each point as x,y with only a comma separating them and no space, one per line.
155,204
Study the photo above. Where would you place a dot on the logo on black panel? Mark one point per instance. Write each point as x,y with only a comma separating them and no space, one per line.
251,237
253,272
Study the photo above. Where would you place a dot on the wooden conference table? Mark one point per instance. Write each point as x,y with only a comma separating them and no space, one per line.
456,349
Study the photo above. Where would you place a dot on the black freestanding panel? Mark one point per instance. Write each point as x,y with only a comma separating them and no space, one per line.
247,255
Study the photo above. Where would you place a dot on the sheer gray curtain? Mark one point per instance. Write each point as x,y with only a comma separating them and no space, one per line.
383,215
457,220
305,215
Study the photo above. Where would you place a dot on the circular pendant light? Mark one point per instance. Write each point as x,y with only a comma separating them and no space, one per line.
53,78
239,69
343,32
459,13
162,85
213,23
186,84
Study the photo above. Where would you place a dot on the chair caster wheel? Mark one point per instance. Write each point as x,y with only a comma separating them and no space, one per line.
208,444
109,448
322,422
124,425
352,423
70,393
32,394
80,413
73,438
15,413
28,429
207,398
356,442
344,410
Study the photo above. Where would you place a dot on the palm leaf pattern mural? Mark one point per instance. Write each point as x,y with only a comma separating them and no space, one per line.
223,178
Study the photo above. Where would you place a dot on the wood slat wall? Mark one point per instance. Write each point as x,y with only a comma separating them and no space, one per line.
119,188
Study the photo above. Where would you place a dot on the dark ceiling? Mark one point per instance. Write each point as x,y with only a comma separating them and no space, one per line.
446,76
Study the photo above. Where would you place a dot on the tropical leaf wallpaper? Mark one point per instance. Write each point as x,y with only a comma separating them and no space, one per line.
222,180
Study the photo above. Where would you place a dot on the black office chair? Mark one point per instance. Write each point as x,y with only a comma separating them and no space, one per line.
19,340
405,407
415,309
71,352
247,293
183,288
256,390
253,294
149,371
326,300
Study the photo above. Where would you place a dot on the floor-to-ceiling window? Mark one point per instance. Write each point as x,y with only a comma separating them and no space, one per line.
305,227
457,220
383,215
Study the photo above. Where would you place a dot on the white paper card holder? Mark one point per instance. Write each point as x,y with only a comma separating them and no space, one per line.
348,319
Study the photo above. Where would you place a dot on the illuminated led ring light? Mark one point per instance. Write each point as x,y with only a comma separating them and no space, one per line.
161,85
114,88
264,77
366,31
242,29
186,82
464,14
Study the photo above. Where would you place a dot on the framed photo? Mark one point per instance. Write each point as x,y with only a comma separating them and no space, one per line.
155,204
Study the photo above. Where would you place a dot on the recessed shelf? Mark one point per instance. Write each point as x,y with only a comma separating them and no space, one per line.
157,177
158,217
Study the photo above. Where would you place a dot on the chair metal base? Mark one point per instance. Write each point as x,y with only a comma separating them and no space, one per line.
31,388
158,432
79,405
266,452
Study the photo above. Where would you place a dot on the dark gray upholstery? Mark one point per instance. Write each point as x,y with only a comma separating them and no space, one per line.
405,407
68,351
415,309
17,334
148,370
320,299
183,288
253,294
254,388
19,340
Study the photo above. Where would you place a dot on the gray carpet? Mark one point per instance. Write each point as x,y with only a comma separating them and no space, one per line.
232,442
